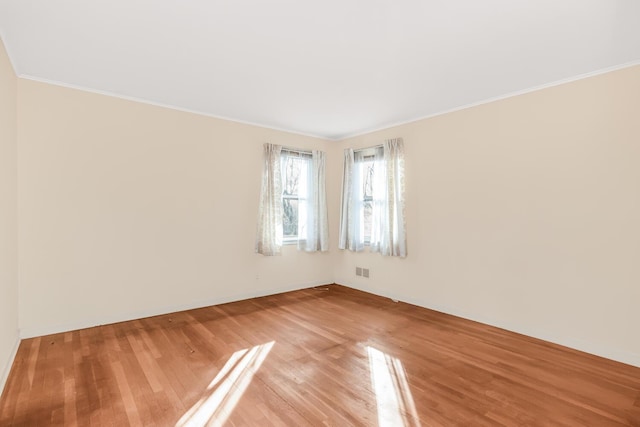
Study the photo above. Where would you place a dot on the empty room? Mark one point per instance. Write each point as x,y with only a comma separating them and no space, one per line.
337,213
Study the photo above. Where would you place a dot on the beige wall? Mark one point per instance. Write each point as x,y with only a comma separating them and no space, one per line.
525,214
522,213
128,209
8,217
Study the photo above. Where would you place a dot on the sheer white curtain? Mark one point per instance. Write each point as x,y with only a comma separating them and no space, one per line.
379,171
313,226
388,229
351,224
269,233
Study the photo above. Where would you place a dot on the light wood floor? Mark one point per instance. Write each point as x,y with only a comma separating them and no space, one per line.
326,356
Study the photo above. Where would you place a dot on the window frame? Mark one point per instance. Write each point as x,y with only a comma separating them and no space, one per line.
285,154
367,155
368,158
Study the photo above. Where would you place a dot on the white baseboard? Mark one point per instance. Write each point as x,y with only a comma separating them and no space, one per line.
41,330
7,369
576,344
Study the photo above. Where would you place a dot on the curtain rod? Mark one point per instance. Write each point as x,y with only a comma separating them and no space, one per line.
375,146
296,150
368,148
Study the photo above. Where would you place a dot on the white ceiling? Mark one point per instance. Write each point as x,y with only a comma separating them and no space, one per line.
329,68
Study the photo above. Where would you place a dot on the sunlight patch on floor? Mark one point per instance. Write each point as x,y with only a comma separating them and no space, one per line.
226,389
393,396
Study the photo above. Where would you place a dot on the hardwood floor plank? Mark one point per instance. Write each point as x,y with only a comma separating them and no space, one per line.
321,356
130,405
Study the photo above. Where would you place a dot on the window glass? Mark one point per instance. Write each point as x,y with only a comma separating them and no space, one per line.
294,169
367,169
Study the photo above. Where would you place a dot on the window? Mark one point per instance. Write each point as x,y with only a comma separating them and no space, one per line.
366,168
295,169
293,203
372,212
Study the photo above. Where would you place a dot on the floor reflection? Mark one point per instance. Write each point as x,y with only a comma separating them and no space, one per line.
393,396
226,389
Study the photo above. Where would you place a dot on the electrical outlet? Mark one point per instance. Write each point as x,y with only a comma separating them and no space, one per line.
365,272
358,271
